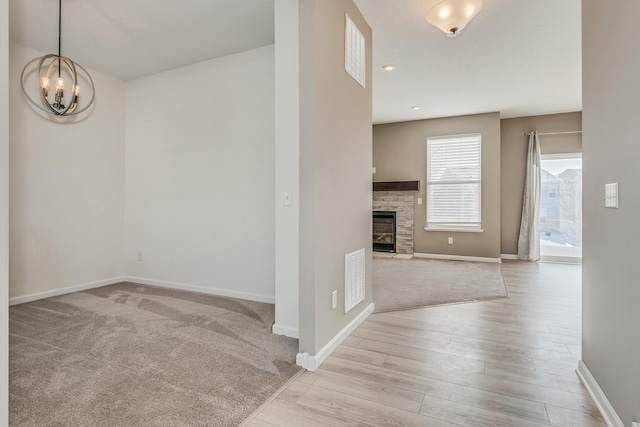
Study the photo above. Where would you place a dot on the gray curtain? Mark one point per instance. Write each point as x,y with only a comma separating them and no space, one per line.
529,240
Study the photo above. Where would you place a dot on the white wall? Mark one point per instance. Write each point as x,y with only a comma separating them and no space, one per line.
287,159
4,211
200,176
611,149
67,190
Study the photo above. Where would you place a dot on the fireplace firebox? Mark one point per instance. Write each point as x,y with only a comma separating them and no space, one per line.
384,231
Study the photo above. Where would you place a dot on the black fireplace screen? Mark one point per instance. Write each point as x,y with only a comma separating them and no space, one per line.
384,231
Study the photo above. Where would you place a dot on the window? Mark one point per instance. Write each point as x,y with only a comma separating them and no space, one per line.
354,51
454,183
561,207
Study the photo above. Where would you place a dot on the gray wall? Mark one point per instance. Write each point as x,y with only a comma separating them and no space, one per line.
513,158
335,168
4,211
399,154
611,149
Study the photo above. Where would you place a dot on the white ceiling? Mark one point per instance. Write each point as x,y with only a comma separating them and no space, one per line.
518,57
134,38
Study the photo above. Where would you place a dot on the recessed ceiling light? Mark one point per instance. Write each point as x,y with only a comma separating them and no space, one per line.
389,67
416,107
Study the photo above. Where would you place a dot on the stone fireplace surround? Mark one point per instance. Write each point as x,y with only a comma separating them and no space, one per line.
402,203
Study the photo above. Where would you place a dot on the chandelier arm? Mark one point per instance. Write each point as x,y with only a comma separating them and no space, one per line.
93,93
24,91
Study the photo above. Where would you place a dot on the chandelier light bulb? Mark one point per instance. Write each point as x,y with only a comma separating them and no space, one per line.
44,84
76,90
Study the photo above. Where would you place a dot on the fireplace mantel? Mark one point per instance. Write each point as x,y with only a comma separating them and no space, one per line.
396,186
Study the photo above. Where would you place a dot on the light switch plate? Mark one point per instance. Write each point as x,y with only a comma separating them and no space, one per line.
373,170
419,200
287,198
334,299
611,195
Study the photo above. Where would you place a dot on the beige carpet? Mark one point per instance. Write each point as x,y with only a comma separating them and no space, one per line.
404,284
133,355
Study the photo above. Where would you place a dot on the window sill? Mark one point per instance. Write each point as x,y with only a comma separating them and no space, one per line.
455,230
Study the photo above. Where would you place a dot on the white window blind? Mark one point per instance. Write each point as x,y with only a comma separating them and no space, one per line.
454,182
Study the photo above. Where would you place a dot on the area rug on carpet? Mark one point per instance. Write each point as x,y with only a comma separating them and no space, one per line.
404,284
134,355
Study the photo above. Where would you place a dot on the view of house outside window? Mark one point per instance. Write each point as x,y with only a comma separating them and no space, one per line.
561,207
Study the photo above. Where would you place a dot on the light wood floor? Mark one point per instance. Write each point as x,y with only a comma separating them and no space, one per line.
508,362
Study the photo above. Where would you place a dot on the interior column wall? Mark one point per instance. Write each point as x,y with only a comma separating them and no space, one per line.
335,170
611,239
287,158
4,211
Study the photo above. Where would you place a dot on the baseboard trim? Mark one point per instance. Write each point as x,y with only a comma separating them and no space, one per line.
458,258
602,403
285,330
311,363
509,256
202,289
64,291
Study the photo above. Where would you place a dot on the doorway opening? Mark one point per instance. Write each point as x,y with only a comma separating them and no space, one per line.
561,208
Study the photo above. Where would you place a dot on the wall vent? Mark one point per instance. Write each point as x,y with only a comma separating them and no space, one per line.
354,279
354,51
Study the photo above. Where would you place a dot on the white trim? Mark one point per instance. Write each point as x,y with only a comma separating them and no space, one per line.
150,282
561,156
455,230
285,330
509,256
458,258
202,289
311,363
561,260
64,291
608,413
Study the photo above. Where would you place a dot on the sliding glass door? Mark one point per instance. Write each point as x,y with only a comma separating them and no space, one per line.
561,208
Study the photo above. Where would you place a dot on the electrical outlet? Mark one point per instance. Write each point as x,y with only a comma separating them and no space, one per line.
451,240
139,256
334,300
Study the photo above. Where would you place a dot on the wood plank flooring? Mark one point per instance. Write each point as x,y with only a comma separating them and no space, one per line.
508,362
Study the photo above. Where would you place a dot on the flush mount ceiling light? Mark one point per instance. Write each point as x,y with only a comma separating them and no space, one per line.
416,107
389,67
61,71
451,16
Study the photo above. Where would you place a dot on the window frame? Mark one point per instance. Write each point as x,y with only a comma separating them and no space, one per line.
465,227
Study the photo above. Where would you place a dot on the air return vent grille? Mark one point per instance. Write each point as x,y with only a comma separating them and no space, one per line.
354,279
354,51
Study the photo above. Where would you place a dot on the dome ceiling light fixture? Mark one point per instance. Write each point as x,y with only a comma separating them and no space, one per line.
62,72
451,16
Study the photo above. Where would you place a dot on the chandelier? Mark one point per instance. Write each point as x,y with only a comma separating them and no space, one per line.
451,16
63,73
